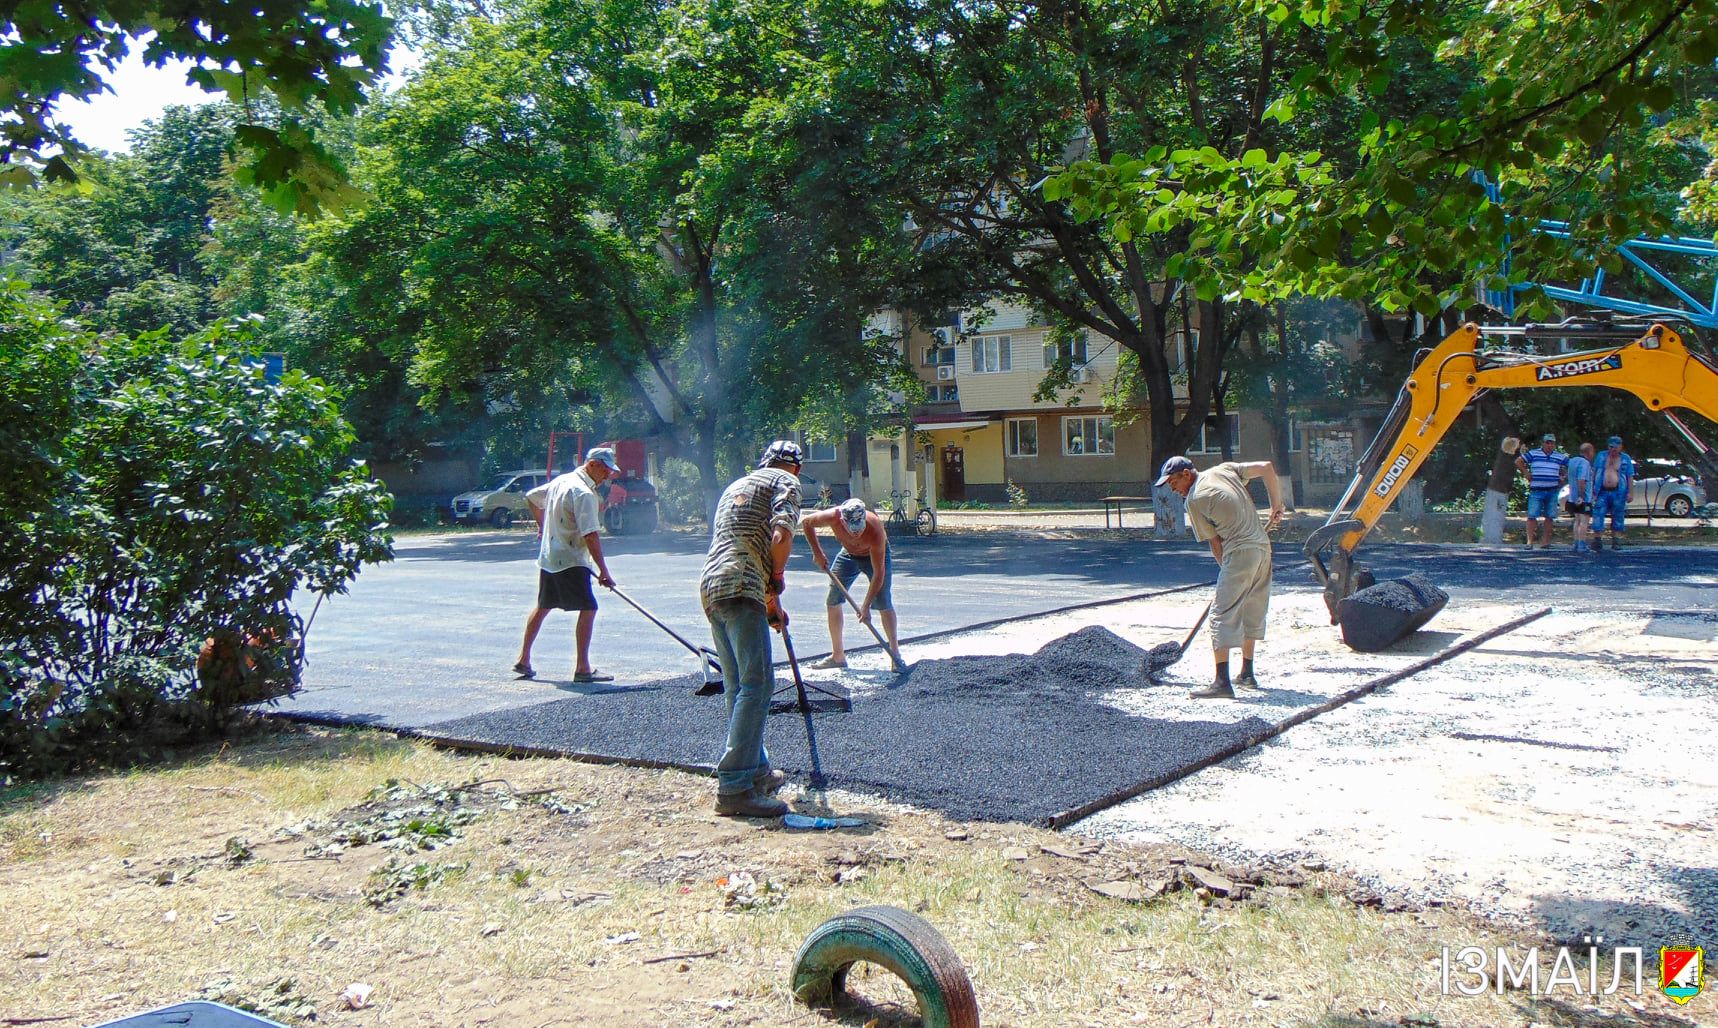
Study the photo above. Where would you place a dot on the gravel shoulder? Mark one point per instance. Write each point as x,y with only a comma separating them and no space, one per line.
1564,776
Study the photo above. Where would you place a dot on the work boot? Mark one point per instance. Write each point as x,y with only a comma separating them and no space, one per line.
1246,681
1214,691
769,783
748,804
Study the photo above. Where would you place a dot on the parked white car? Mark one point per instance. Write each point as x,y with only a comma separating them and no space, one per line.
1666,487
499,501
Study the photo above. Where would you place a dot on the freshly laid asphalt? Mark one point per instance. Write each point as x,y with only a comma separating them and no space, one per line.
425,644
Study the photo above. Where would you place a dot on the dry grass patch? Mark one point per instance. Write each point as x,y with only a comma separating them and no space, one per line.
543,891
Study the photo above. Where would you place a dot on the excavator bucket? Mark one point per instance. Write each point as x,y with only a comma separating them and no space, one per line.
1378,617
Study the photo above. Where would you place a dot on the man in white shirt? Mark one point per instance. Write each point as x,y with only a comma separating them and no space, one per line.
569,523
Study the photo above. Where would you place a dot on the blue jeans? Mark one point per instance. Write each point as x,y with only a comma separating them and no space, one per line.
1614,503
741,631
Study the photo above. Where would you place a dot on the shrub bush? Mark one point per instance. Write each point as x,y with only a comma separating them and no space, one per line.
679,497
168,501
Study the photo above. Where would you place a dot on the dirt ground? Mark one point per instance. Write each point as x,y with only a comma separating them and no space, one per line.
466,890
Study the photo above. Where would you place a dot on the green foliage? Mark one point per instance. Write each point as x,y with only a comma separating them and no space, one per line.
168,497
1017,497
1427,96
271,52
679,499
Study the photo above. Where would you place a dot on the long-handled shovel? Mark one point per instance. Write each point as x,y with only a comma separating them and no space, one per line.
1164,655
708,665
898,665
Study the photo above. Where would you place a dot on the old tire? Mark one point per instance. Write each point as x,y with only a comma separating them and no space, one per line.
891,938
1679,506
502,518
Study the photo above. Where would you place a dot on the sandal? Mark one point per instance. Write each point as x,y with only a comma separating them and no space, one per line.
829,662
523,670
587,677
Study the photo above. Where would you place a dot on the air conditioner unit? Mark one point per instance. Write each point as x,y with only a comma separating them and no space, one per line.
946,336
1082,375
945,373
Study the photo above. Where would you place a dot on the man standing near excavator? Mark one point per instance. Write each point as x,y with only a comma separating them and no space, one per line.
1613,482
1222,514
1547,470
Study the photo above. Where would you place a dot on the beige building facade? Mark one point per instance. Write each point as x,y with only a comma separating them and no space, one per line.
983,427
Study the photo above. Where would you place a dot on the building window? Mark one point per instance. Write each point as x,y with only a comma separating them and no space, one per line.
948,392
1071,350
992,354
1211,439
1295,440
938,355
1086,437
1182,345
1023,437
819,450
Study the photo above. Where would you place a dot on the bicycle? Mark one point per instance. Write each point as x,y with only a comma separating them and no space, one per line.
924,524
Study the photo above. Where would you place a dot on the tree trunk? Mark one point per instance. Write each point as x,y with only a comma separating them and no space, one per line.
1168,513
1493,415
1492,521
1412,503
1221,409
1280,435
858,463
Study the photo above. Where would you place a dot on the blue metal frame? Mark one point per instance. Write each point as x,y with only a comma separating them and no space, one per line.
1592,291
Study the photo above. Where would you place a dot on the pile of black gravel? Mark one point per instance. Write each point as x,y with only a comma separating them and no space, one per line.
1090,660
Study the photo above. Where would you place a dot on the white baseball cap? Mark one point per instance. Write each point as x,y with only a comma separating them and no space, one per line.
853,514
603,455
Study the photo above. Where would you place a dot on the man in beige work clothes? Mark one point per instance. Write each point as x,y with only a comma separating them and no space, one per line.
1222,514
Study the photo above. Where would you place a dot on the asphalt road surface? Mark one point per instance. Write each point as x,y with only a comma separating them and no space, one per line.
431,636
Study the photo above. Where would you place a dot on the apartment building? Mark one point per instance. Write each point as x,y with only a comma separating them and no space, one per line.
982,426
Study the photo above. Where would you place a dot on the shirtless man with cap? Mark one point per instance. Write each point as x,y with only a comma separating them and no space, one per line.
864,547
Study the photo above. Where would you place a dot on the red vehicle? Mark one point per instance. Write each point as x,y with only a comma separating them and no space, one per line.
629,499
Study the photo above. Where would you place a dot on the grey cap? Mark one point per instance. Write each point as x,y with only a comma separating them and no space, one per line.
853,514
1548,438
603,455
784,450
1173,466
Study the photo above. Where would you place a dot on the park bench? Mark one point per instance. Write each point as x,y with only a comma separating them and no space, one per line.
1115,502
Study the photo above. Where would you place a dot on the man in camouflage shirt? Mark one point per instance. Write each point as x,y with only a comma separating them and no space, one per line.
750,542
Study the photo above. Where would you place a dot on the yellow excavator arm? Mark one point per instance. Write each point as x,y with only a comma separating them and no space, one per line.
1654,363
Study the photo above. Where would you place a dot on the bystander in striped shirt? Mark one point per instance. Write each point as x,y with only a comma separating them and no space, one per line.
1545,470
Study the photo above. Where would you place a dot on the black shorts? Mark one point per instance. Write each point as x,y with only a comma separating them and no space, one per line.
1572,507
566,590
